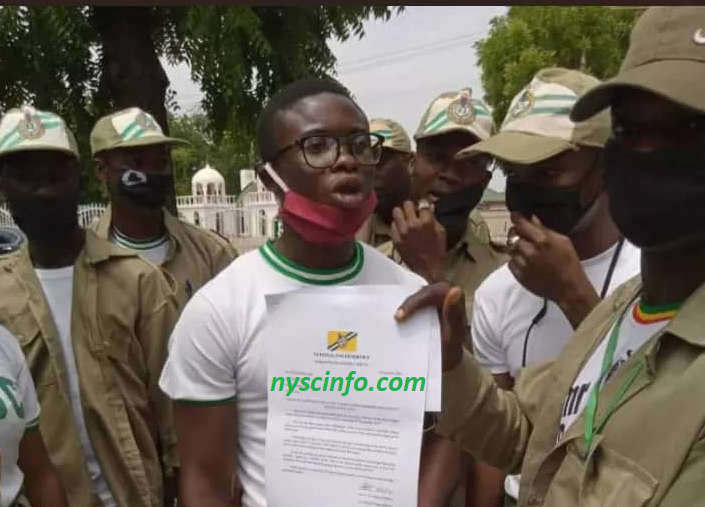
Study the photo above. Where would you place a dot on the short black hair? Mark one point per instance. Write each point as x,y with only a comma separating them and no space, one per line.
285,99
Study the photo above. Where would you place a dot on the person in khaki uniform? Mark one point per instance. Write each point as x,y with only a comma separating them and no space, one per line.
453,121
464,255
618,419
392,180
93,321
132,159
566,252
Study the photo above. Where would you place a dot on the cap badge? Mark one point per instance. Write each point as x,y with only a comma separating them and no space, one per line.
699,37
30,127
523,105
146,122
461,110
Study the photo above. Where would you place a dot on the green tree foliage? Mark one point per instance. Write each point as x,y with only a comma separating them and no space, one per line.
82,62
528,39
232,153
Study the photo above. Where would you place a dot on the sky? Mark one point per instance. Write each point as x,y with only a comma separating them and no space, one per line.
399,66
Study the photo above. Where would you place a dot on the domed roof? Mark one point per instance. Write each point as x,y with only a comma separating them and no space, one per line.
207,175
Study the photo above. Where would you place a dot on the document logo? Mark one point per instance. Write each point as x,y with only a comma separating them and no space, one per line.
342,341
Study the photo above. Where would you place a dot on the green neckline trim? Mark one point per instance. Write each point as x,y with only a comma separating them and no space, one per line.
148,244
209,403
313,276
654,309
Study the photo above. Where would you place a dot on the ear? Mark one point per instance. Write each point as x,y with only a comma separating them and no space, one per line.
267,180
486,177
100,169
412,164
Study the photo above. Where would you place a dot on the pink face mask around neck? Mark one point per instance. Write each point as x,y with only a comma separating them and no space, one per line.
319,223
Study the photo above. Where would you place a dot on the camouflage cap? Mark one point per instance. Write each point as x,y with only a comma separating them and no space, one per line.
127,129
538,125
666,56
456,111
27,129
395,137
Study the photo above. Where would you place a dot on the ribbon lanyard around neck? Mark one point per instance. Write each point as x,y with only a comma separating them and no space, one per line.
591,427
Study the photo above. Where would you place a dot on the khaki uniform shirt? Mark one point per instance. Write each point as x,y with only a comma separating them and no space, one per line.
469,262
195,254
375,232
651,452
123,310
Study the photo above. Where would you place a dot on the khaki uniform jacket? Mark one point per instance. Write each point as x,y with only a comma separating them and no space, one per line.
651,452
195,254
469,262
123,310
375,232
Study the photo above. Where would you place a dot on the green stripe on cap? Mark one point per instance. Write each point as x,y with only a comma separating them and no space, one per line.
7,137
481,112
550,110
555,96
384,133
436,118
14,143
438,126
128,129
52,125
134,135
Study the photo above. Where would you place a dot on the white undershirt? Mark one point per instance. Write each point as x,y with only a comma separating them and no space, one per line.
58,290
632,335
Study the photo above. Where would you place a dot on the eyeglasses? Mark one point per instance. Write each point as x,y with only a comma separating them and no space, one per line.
321,152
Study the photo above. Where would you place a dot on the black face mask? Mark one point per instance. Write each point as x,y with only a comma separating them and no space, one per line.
45,221
144,189
559,209
451,207
657,198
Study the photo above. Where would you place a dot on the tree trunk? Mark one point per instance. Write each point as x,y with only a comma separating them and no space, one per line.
132,73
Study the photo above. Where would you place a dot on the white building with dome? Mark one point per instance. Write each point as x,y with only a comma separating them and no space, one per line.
249,217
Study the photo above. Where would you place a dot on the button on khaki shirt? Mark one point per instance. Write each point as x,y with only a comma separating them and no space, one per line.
123,310
195,254
651,452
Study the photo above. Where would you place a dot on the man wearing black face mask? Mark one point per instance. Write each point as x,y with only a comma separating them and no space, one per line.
618,418
92,320
564,259
132,159
465,256
453,121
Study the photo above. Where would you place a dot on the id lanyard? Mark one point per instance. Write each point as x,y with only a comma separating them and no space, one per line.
591,427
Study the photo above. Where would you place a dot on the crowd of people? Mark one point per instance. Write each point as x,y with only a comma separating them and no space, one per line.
132,361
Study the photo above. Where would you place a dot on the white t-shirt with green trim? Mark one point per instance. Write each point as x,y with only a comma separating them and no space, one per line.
19,414
216,353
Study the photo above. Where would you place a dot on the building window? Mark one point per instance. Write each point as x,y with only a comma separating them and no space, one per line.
262,223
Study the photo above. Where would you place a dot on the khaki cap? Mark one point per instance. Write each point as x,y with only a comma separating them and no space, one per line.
127,129
456,111
666,56
29,129
395,137
538,126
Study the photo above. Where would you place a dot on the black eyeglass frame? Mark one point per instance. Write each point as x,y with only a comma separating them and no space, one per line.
302,140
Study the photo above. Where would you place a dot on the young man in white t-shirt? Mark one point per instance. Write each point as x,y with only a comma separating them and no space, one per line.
561,264
320,158
25,462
